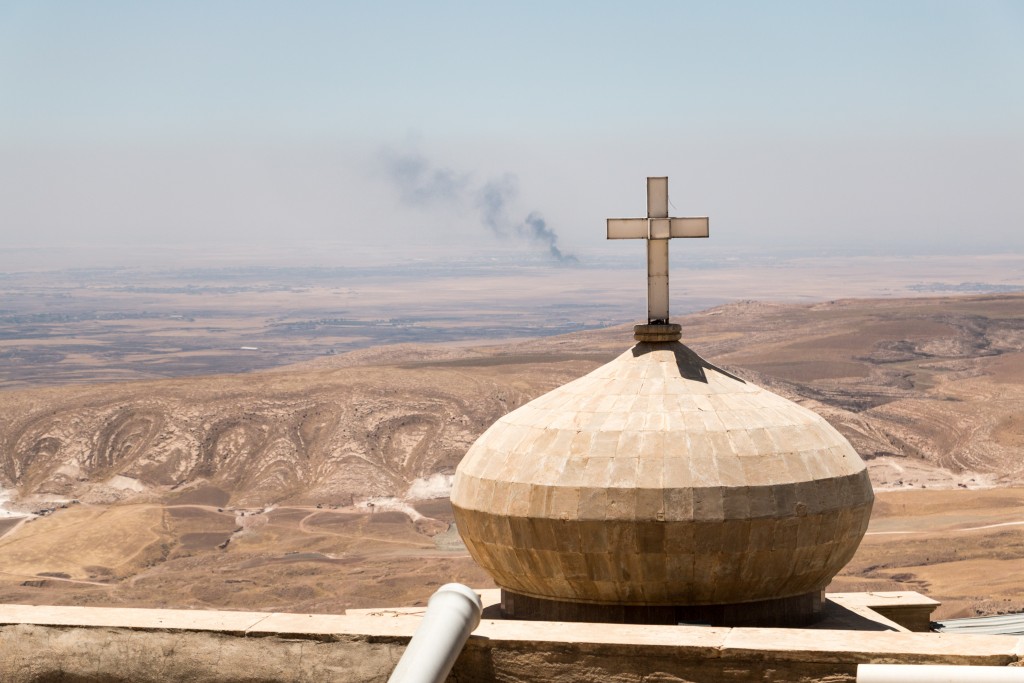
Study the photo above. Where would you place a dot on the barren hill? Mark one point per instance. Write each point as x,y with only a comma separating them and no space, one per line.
305,436
932,386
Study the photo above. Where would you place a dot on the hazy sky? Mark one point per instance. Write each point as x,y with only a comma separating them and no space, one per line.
889,126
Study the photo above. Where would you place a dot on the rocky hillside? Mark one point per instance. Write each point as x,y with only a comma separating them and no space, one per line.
301,436
928,390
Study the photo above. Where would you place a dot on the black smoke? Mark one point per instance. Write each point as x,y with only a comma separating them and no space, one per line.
493,200
538,230
420,183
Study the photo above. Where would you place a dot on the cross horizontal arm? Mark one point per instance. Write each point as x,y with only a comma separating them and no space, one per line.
627,229
652,228
688,227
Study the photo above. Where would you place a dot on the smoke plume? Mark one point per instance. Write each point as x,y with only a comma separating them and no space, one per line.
419,183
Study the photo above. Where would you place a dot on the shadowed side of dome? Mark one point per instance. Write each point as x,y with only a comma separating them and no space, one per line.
659,479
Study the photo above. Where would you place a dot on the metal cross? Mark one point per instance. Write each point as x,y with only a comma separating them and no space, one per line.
657,229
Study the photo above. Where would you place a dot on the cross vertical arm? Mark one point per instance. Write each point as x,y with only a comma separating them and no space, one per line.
657,282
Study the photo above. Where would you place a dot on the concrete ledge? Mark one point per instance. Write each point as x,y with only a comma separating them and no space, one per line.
909,609
40,644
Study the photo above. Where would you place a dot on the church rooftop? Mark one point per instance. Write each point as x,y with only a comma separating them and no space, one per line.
87,643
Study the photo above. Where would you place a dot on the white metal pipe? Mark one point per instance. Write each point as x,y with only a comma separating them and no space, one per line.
935,673
452,614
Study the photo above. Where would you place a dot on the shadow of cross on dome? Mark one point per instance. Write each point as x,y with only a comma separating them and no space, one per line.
691,366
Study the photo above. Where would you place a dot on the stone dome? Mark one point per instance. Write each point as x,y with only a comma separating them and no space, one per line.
659,479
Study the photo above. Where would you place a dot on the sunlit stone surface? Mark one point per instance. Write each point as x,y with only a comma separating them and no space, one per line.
659,479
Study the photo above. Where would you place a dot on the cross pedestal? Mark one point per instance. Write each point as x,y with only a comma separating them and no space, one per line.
658,228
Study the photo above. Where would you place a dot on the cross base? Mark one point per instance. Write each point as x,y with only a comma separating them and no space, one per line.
665,332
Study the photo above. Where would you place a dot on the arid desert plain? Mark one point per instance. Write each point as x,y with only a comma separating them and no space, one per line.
137,470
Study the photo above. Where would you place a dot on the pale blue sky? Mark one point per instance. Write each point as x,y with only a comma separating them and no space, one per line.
880,125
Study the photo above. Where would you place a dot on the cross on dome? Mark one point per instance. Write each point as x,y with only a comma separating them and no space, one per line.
658,228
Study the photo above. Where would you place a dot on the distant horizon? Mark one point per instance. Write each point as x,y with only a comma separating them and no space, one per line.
328,254
475,275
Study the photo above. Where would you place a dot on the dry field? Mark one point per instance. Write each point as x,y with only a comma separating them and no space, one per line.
66,327
289,558
204,491
964,548
190,317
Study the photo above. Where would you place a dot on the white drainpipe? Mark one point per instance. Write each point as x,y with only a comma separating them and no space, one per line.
452,614
928,673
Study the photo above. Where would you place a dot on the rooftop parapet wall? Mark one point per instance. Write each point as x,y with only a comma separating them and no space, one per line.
41,644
